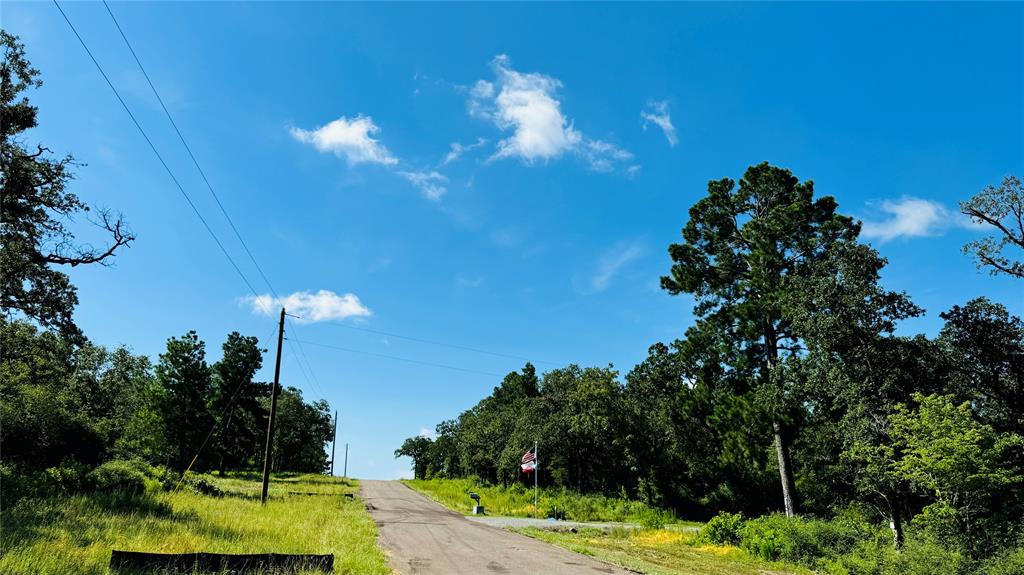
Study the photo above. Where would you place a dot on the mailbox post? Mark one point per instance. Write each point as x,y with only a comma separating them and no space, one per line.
477,508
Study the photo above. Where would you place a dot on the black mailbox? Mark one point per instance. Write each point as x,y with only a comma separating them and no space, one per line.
474,497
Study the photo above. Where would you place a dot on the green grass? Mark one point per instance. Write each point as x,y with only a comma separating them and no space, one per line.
75,534
517,501
662,552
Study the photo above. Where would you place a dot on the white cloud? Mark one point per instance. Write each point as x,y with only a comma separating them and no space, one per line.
527,105
310,307
351,139
604,157
659,115
428,433
458,149
612,262
430,184
912,217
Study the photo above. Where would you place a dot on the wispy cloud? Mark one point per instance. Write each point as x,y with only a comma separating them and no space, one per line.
458,149
462,281
612,262
911,217
657,113
604,157
430,184
311,307
351,139
527,106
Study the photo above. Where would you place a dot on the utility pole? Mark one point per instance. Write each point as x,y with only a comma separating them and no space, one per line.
333,443
269,451
346,461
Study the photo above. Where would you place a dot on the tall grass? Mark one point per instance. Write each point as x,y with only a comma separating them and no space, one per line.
75,534
661,552
517,501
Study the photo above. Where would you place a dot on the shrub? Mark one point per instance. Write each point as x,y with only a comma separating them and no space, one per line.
652,518
203,485
125,476
922,554
801,540
1010,562
723,529
19,483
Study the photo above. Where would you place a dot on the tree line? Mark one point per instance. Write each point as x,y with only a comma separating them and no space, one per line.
65,401
790,392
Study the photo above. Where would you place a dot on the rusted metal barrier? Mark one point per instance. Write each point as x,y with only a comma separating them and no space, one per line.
234,564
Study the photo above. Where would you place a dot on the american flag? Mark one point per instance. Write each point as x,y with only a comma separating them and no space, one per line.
529,461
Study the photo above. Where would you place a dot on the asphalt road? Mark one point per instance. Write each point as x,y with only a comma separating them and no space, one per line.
420,536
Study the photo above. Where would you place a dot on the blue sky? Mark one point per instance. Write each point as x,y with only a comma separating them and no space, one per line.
503,177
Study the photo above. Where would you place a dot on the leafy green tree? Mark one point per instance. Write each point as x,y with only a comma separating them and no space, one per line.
487,432
973,473
444,453
587,421
742,246
1001,208
135,421
36,209
236,402
185,379
300,433
44,421
419,450
986,347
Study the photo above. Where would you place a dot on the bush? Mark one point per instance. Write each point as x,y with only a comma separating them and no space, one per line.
19,483
203,485
652,518
125,476
1010,562
921,555
723,529
801,540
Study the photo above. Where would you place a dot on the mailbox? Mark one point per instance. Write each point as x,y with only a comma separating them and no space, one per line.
477,508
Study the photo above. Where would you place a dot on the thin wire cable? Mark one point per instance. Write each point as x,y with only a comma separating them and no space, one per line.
302,369
155,151
206,180
407,360
438,343
188,148
302,351
216,424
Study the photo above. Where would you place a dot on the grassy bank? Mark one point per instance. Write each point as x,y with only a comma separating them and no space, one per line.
662,552
517,501
75,534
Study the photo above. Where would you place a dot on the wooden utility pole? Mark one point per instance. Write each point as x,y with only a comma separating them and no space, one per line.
269,451
333,443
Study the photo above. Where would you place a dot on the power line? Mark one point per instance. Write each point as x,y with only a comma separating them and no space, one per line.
438,343
216,198
189,149
155,151
202,173
407,360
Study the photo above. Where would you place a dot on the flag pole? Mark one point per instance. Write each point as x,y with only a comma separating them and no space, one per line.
536,472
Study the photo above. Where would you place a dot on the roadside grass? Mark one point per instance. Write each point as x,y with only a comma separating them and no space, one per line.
517,501
75,534
662,552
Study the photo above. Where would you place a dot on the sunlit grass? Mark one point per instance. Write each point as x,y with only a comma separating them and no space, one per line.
74,535
517,501
662,552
